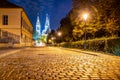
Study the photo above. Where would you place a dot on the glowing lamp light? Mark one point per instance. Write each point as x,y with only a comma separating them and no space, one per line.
59,33
85,16
53,38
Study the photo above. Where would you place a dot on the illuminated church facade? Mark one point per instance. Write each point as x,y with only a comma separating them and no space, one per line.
42,34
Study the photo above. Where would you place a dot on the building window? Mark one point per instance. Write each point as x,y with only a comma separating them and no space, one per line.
5,19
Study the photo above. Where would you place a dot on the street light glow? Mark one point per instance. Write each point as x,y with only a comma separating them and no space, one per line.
85,16
59,33
53,38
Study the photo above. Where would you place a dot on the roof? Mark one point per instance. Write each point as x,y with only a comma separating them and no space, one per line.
6,4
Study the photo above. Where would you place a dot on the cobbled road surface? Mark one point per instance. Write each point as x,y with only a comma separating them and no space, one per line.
50,63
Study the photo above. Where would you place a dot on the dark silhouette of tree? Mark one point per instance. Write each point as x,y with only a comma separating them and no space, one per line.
51,34
66,29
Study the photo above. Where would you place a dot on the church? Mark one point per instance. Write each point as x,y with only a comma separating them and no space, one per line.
41,35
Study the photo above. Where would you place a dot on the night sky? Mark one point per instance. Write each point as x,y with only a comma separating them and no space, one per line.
57,9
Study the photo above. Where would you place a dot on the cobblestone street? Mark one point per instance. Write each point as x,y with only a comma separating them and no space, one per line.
49,63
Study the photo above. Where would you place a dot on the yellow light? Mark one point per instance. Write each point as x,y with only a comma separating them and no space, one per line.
50,40
85,16
53,38
59,33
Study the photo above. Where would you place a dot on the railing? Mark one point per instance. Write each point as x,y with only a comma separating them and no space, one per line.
6,37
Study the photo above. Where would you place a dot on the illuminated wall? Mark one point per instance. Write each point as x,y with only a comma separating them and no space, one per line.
19,29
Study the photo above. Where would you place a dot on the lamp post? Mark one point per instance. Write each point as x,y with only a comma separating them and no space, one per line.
85,18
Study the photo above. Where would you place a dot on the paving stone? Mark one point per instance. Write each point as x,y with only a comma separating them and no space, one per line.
58,64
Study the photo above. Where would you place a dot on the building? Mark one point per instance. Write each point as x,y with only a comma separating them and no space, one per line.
41,36
38,26
47,26
15,26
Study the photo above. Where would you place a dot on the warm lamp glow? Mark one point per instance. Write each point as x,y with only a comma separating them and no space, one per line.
85,16
59,33
53,38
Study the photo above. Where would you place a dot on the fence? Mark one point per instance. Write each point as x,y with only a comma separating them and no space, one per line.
6,37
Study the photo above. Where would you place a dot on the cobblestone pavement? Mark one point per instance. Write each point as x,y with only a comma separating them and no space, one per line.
51,63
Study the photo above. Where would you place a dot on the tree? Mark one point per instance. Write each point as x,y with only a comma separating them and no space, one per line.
79,8
104,16
109,11
66,29
103,20
50,35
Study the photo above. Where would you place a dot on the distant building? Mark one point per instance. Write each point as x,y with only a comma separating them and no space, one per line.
47,29
15,26
42,34
38,26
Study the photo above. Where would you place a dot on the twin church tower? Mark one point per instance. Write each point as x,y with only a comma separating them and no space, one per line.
46,29
42,33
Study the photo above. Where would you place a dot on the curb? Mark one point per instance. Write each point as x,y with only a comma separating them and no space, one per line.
8,53
5,52
100,54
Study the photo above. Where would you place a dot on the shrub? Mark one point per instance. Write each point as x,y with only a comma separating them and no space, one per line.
109,45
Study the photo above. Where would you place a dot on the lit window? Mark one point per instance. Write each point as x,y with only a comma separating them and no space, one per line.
5,19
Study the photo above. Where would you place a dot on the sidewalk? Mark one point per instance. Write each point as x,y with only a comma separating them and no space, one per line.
7,51
93,53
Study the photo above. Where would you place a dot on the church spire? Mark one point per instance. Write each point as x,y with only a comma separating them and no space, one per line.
47,25
38,26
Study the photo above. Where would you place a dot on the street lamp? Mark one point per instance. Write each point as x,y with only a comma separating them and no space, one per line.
85,18
59,34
